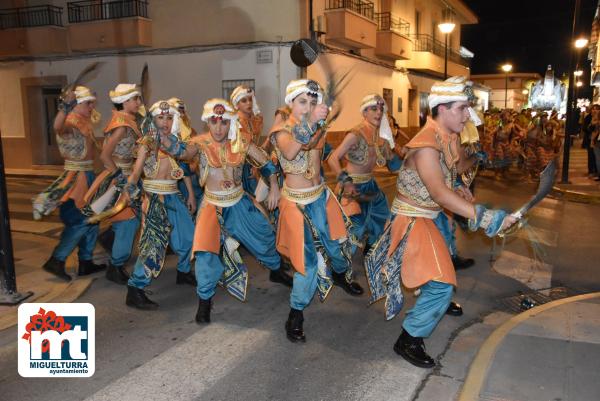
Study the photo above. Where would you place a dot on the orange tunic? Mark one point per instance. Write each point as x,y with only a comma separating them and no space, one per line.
426,256
207,234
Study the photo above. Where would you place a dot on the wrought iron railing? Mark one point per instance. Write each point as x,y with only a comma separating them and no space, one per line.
362,7
426,43
389,22
25,17
91,10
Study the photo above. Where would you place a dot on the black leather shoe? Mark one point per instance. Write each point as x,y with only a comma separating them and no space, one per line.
412,349
186,278
203,313
281,277
462,263
454,309
293,326
352,287
117,274
89,267
137,298
57,268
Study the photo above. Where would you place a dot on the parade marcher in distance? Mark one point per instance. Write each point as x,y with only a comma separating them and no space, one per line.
74,131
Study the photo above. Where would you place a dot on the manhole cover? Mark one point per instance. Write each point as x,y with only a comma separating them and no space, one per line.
526,300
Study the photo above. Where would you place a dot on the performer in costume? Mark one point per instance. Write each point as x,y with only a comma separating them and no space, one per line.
166,219
306,202
411,251
189,184
365,146
76,143
227,215
502,144
250,121
121,135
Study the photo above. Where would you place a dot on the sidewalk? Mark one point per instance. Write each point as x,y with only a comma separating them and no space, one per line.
580,187
550,352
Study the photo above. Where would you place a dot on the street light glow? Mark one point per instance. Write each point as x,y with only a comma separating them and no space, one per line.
507,68
578,73
446,27
581,43
579,83
525,91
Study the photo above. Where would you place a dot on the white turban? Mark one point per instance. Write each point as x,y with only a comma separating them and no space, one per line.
83,94
241,92
454,89
164,107
385,131
299,86
124,92
223,109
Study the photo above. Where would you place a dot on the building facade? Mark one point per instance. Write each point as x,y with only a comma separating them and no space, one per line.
508,90
198,49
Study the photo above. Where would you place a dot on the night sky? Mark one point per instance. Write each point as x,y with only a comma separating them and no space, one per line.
530,34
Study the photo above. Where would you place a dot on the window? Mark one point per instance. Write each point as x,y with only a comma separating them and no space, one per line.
228,85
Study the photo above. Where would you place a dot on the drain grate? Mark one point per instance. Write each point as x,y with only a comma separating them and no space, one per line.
525,300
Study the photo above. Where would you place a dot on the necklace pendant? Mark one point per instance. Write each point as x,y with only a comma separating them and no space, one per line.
226,184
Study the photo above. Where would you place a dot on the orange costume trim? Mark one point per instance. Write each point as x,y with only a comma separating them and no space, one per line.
122,119
207,233
426,256
290,237
80,186
251,127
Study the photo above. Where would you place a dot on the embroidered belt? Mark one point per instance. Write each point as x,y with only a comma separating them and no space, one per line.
161,187
79,165
126,168
302,196
361,178
224,198
403,208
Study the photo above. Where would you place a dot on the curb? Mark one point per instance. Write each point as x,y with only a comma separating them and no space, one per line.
483,360
576,196
61,293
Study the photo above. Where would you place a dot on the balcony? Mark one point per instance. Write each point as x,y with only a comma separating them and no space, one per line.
109,25
392,37
32,31
428,56
351,23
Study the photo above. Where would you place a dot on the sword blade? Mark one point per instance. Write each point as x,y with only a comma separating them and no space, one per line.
544,188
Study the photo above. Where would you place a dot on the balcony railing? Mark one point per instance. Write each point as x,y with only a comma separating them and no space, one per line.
91,10
26,17
362,7
389,22
426,43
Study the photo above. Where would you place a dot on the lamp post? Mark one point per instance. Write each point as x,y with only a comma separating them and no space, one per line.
446,28
506,68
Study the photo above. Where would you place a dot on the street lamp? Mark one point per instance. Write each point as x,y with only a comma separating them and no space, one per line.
581,43
446,28
506,68
578,73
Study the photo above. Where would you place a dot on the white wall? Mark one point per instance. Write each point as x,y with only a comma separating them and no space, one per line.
193,77
365,78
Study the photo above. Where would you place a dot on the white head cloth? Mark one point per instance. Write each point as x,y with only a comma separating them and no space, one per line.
241,92
123,92
179,106
299,86
454,89
385,131
164,107
83,94
223,109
